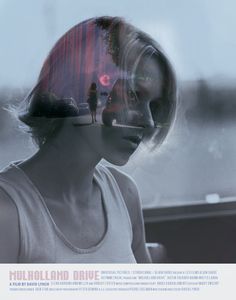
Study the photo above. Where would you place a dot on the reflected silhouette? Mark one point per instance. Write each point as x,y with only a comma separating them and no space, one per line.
93,101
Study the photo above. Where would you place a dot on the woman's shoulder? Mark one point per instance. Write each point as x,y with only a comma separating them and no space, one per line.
131,197
9,219
9,174
9,229
8,207
126,182
129,191
7,204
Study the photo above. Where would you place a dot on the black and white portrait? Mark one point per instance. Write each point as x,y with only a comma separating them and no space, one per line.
117,132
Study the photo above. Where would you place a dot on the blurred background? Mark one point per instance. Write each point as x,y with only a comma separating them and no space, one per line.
197,162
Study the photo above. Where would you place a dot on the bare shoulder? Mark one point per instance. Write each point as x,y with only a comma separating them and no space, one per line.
129,191
9,229
131,197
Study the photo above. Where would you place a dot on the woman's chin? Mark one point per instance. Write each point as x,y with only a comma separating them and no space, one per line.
120,160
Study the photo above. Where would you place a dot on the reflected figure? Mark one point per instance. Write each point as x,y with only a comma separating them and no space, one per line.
93,101
62,205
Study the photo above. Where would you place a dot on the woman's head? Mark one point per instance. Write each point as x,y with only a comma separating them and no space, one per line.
134,81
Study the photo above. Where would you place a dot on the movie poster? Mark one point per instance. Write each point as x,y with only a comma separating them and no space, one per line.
117,149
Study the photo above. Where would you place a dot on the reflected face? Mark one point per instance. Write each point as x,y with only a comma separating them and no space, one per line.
117,142
144,87
136,92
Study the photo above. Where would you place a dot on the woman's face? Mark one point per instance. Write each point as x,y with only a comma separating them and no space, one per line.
128,74
116,143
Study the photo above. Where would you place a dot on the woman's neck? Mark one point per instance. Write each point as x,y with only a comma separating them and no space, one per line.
63,172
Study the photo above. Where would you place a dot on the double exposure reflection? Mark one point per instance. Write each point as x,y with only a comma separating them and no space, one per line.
105,72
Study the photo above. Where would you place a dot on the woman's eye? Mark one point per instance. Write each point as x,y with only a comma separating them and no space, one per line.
144,78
